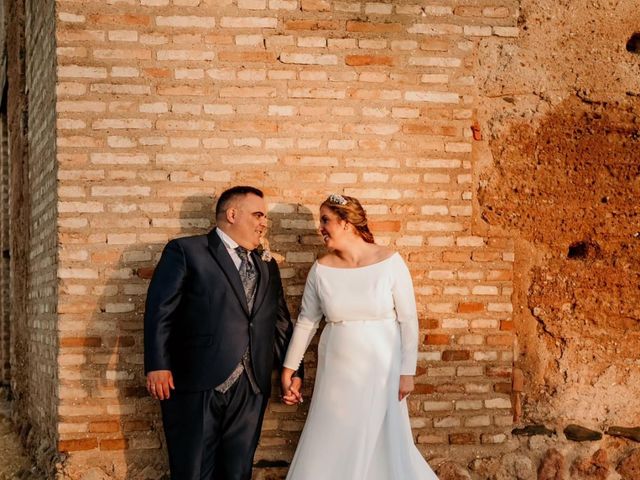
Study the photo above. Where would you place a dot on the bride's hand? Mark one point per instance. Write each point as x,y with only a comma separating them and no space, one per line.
406,386
290,387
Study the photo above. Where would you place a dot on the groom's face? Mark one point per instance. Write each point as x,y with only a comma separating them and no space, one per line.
249,220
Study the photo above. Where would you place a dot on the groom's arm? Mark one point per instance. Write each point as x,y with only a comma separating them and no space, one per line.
163,297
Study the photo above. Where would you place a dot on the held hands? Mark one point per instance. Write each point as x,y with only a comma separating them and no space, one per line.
160,383
406,386
290,387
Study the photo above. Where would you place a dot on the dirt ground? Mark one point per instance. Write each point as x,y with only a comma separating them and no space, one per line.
14,463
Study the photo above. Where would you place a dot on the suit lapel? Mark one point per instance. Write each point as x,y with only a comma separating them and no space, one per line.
263,281
220,254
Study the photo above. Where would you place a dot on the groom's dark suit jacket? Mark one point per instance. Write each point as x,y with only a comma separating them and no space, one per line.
197,323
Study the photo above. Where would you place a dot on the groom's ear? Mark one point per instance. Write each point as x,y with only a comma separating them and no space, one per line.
231,214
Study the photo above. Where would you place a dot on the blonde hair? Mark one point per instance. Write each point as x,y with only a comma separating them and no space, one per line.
350,210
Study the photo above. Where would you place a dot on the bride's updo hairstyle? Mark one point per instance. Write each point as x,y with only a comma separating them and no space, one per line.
350,210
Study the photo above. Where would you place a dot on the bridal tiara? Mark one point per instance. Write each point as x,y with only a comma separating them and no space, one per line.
337,199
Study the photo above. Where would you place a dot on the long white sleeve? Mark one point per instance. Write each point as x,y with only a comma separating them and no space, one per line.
307,323
405,305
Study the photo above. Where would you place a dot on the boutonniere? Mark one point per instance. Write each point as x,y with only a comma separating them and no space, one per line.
264,252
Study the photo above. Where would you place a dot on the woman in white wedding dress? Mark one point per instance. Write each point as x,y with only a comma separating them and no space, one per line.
358,424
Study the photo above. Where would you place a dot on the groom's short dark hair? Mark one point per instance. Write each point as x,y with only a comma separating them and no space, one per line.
228,195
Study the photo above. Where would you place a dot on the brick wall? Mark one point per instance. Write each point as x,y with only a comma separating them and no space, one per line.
41,359
162,104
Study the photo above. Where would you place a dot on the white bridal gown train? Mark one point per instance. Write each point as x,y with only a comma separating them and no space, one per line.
356,428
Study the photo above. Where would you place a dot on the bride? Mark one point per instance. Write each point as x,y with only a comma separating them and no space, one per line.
358,423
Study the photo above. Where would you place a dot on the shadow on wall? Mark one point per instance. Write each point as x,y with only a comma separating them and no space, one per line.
127,422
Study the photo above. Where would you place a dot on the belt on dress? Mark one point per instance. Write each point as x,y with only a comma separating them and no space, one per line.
359,322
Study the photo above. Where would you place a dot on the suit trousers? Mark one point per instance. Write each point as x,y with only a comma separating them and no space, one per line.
212,435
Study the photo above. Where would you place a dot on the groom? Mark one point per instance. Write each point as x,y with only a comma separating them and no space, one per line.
215,319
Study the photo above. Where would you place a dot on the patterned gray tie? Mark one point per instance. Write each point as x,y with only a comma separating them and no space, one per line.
248,275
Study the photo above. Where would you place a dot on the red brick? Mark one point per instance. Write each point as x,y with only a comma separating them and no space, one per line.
463,438
470,307
502,388
365,60
104,427
385,226
157,72
424,388
506,326
455,355
78,444
499,372
145,272
436,339
80,342
429,323
121,341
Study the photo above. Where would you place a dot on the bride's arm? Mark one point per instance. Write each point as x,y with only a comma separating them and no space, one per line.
304,329
405,305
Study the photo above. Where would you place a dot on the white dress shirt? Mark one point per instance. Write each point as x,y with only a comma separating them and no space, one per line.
231,245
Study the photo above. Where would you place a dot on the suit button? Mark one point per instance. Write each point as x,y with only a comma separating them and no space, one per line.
251,324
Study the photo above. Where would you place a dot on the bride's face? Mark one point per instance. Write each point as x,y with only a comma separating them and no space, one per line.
333,229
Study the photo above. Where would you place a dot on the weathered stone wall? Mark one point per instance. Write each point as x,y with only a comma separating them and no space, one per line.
5,292
561,108
163,104
5,330
5,343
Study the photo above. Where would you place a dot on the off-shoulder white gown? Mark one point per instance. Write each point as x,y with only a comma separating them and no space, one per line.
356,428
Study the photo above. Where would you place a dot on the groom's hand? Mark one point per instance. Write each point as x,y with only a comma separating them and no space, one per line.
160,383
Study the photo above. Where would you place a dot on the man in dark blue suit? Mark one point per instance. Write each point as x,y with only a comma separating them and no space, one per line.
215,321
